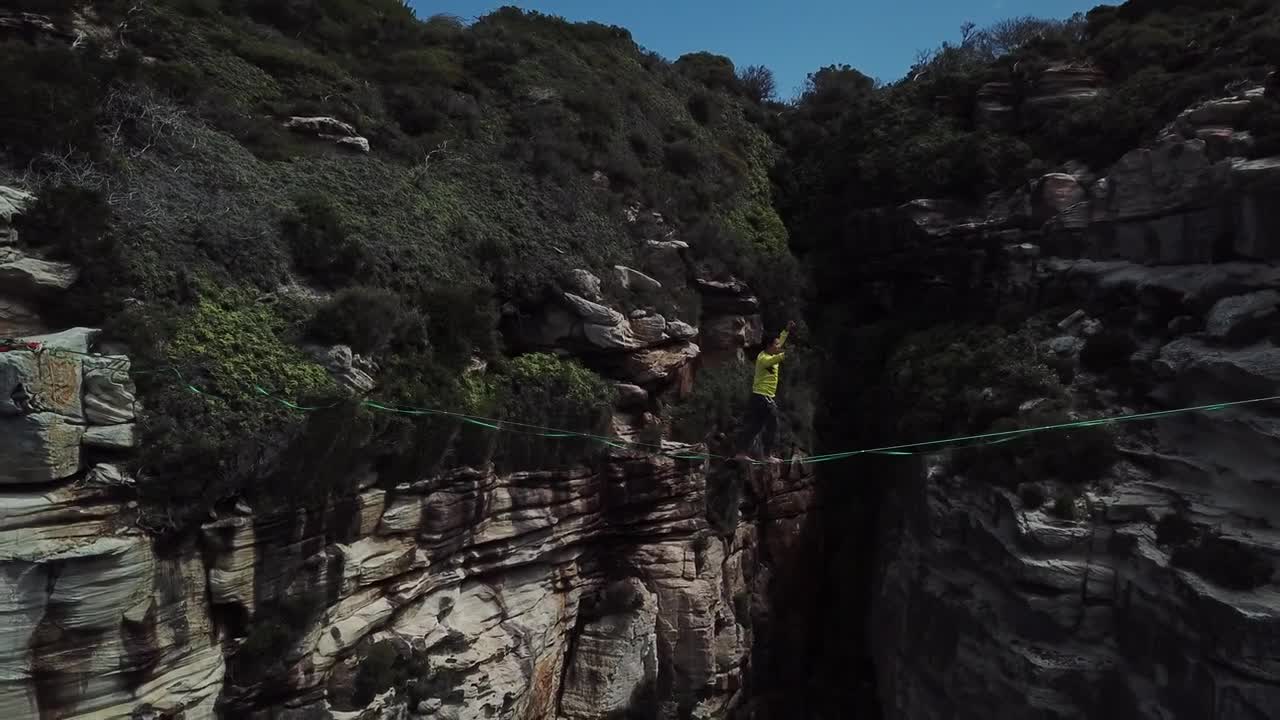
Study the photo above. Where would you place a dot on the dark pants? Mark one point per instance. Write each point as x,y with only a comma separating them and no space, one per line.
761,420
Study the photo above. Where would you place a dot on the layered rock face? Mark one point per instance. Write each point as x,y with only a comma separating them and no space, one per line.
1159,599
576,594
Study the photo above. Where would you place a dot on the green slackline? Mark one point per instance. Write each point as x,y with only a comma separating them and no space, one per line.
120,365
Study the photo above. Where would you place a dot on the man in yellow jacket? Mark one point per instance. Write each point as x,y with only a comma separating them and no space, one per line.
762,411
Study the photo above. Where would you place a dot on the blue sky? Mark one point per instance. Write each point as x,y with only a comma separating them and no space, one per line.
878,37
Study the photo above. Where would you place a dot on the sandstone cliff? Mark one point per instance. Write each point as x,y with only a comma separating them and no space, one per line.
592,593
626,588
1151,594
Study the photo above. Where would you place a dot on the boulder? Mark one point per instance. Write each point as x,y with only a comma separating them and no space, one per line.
631,396
592,312
658,364
358,144
1070,321
731,332
76,340
649,330
38,448
1150,181
342,366
1066,345
321,126
331,129
109,396
403,514
610,337
678,330
1244,318
24,276
635,280
584,283
108,475
111,437
1222,113
1220,373
12,202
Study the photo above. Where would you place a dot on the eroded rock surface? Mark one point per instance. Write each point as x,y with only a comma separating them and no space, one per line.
1160,598
531,595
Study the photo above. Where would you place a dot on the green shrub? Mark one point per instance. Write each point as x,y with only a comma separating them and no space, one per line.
320,242
758,83
386,667
704,108
1075,456
717,404
1065,508
369,320
202,447
683,158
615,599
377,672
238,340
714,71
940,378
276,628
545,390
72,222
51,99
463,322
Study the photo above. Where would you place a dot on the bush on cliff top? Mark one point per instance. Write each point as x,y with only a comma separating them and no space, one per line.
950,382
485,137
542,389
852,143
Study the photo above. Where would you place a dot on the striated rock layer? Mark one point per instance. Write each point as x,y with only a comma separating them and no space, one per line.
568,594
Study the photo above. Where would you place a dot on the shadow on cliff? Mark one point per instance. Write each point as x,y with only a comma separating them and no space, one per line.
814,655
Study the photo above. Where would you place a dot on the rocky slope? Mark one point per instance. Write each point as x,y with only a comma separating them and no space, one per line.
1155,595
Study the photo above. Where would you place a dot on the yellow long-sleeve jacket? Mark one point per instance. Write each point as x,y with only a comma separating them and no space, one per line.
766,379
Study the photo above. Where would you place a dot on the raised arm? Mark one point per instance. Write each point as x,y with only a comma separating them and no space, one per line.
767,359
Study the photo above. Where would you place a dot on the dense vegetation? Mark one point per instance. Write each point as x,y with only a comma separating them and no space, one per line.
220,243
853,143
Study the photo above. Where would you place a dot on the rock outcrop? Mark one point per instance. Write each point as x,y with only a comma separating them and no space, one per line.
613,326
332,129
1001,104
